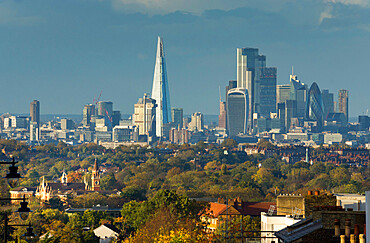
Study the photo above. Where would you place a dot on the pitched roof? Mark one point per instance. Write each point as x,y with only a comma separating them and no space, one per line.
298,230
255,208
67,186
217,209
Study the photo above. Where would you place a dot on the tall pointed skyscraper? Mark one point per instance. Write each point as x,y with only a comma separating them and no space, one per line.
160,91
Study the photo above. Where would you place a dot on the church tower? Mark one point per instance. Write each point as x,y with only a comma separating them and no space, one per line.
95,178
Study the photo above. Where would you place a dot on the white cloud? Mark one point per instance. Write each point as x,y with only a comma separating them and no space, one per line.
192,6
365,3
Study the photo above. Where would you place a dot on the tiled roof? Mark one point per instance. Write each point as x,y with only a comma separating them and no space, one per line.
255,208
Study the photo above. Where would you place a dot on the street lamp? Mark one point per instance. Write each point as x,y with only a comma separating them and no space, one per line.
13,176
29,235
24,211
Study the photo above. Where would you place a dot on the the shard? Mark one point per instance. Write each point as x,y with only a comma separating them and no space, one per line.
160,91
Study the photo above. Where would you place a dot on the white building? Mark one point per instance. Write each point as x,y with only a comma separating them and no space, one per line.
106,233
330,138
274,223
355,201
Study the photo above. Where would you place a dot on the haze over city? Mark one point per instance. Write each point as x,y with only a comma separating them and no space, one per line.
64,53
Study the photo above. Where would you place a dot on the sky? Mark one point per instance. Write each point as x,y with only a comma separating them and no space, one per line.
64,53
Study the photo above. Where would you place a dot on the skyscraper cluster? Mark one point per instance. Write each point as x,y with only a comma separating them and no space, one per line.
255,103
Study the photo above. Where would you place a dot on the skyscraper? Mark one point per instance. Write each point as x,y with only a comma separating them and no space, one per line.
298,92
282,93
328,101
237,111
343,102
314,106
267,91
177,115
35,111
248,61
222,117
160,90
35,120
144,116
88,115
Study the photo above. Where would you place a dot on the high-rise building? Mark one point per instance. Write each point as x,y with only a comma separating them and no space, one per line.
145,115
88,115
328,101
35,120
290,113
298,92
160,90
314,106
197,122
222,116
35,111
66,124
116,117
267,91
177,115
248,62
232,85
343,102
105,109
237,111
364,122
282,93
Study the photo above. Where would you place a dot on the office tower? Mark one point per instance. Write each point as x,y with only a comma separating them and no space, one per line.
290,113
314,105
116,117
197,122
222,116
282,93
267,91
88,115
364,122
35,111
237,111
281,115
160,90
177,115
232,85
125,134
145,115
248,61
343,102
35,120
105,109
298,92
328,101
66,124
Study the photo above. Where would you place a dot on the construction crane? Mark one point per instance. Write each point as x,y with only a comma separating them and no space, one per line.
95,102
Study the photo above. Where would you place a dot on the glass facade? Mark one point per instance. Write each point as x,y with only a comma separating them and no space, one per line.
237,111
160,90
314,106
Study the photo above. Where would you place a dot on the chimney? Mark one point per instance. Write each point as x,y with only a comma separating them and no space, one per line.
347,228
357,230
337,227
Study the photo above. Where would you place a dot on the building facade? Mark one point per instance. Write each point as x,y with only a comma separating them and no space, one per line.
314,106
343,102
145,115
177,115
237,111
160,90
267,91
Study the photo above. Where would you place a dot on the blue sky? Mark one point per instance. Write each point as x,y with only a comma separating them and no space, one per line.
64,53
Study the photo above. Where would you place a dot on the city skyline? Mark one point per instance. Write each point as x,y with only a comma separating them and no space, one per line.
65,52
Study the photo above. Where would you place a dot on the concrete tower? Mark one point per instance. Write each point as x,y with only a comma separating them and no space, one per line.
160,91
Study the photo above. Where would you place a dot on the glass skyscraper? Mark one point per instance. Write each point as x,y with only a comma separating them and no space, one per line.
314,105
160,90
237,111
